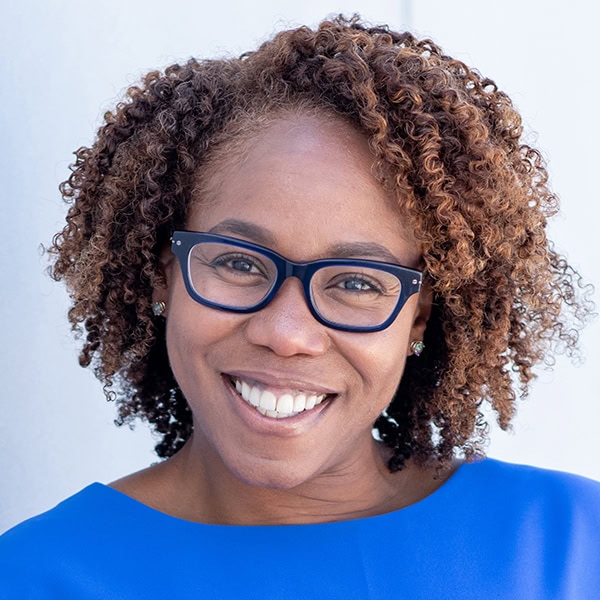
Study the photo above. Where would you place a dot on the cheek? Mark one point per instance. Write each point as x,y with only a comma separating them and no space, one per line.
387,350
379,359
389,356
193,332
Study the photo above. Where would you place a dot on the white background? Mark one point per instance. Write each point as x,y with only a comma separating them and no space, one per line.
64,62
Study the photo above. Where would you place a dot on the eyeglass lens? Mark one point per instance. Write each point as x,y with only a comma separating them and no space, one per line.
240,278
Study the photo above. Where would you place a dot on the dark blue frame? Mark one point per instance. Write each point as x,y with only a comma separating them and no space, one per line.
182,243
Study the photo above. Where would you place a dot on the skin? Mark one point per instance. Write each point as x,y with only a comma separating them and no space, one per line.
305,189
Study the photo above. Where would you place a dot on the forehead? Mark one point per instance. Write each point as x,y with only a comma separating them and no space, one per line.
303,175
289,134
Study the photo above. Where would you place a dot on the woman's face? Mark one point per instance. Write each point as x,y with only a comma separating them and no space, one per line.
305,190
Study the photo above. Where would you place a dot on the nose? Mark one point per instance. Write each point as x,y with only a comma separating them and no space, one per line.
286,325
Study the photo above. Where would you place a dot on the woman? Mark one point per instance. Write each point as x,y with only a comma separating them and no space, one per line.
306,269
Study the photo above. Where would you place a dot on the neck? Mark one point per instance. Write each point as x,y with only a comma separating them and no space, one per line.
197,486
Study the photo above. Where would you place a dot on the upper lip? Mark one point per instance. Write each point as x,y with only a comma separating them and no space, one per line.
281,381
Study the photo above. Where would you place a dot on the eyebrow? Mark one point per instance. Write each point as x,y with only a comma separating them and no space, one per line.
362,249
264,237
248,230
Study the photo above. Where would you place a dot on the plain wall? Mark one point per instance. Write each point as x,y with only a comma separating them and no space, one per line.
63,63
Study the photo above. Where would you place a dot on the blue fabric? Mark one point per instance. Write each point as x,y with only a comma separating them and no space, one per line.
494,530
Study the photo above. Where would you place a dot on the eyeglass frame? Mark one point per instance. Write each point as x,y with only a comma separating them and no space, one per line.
182,243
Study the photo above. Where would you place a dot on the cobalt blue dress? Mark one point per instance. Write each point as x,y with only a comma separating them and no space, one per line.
493,530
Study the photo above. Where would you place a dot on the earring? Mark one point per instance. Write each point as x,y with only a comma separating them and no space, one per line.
417,347
158,308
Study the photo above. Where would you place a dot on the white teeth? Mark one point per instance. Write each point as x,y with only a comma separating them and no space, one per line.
245,391
300,403
285,404
254,397
268,401
265,401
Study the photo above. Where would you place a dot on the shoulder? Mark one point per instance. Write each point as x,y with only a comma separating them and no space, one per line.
511,502
522,484
43,548
548,520
559,503
49,524
515,531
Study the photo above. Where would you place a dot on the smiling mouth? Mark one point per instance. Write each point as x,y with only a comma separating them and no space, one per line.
287,404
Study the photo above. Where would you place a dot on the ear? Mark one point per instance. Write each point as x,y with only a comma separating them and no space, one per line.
166,260
422,314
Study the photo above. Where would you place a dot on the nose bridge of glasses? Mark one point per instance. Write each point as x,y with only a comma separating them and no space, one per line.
302,271
294,269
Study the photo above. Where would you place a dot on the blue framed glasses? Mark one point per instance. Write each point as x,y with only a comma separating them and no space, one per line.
233,275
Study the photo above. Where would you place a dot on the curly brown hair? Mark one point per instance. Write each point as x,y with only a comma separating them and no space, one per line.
447,144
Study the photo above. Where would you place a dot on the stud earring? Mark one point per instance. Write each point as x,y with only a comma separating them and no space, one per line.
158,308
417,347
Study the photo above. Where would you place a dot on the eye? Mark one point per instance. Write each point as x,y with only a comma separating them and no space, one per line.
358,283
238,263
242,265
